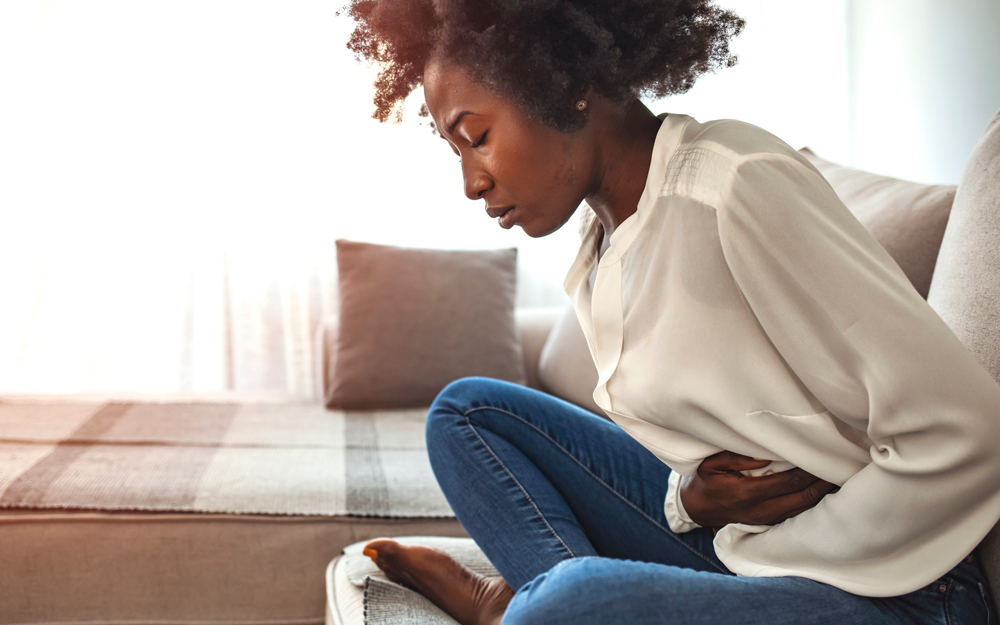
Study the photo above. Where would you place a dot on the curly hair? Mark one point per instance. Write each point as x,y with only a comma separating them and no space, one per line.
544,53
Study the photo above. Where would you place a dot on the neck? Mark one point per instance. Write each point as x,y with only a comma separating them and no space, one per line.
625,143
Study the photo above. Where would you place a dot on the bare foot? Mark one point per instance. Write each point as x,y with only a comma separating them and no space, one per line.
467,597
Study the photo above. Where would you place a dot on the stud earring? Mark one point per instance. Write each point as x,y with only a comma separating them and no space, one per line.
581,105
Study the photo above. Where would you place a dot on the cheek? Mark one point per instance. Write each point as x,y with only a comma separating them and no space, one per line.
563,173
569,171
535,167
567,176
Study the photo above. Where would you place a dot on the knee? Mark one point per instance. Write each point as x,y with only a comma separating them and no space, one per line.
553,597
448,411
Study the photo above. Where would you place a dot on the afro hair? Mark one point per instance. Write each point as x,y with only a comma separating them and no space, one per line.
544,54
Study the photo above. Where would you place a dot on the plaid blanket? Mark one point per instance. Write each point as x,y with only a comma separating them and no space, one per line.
222,458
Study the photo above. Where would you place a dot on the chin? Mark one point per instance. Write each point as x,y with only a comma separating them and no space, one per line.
545,224
536,231
541,228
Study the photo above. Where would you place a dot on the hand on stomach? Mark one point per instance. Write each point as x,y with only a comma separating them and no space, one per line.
731,488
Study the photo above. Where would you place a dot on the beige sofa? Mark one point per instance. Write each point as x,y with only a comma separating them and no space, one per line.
952,260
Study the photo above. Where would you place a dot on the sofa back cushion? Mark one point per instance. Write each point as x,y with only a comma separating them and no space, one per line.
907,218
966,286
413,320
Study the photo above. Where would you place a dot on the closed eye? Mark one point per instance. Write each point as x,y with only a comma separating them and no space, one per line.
481,139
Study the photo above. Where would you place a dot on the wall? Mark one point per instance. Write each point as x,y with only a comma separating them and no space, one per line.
924,81
791,78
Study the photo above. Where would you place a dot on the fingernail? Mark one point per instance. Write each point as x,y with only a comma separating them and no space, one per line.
371,553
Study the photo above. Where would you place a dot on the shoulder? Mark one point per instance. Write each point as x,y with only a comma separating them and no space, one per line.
734,139
713,159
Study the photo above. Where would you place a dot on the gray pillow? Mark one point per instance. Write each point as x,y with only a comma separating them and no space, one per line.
906,218
413,320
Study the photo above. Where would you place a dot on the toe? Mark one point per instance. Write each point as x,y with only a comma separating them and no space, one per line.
381,548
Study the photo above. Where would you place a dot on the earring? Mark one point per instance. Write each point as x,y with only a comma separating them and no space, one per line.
581,105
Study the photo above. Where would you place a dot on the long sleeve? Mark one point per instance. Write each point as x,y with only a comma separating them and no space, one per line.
859,337
677,517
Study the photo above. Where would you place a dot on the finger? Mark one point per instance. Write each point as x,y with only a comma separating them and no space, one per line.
728,461
782,507
776,484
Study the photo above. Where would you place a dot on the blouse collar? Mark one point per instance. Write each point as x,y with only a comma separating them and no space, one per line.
668,139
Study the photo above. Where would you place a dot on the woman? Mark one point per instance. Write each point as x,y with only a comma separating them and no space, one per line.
799,438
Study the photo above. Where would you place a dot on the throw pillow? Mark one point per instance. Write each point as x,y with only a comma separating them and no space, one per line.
566,369
413,320
906,218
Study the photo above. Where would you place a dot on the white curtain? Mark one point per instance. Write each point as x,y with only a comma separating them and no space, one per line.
173,176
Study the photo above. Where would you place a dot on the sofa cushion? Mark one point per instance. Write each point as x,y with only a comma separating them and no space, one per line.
966,287
211,512
246,458
359,594
907,218
566,369
413,320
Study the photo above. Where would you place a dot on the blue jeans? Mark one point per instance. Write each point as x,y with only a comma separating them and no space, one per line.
569,509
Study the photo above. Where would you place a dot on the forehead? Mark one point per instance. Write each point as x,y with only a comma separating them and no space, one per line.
448,90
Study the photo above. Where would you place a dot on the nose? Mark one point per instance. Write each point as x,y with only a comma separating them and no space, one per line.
477,182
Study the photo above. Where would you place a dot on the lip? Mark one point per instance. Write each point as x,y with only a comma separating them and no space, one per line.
507,220
497,211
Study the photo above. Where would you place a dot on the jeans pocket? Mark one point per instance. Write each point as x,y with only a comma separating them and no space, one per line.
967,602
988,602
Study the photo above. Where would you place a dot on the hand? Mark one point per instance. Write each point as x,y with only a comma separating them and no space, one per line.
718,494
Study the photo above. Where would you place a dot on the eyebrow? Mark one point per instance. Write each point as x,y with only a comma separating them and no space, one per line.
458,118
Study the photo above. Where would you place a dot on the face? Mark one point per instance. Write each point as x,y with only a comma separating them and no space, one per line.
528,174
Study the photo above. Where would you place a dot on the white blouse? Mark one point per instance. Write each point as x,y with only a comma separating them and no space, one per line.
742,307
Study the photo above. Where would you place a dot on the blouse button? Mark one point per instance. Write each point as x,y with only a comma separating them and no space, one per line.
943,588
969,559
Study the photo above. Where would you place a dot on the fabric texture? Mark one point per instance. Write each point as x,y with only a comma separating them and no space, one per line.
413,320
742,307
220,458
353,579
906,218
566,367
387,603
966,287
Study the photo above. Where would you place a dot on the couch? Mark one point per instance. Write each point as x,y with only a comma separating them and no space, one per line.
228,510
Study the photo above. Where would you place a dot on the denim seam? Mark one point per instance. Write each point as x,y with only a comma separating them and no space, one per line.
629,503
986,602
947,604
541,516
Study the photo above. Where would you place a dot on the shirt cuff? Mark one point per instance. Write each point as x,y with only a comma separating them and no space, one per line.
677,517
